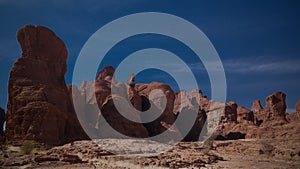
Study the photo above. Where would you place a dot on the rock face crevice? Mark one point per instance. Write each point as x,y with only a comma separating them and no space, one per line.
38,106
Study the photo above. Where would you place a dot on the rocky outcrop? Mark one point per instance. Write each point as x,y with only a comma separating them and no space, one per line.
276,106
244,115
258,111
187,106
107,99
230,113
41,107
268,121
275,111
295,116
2,120
86,108
38,106
228,119
256,106
243,128
100,121
158,97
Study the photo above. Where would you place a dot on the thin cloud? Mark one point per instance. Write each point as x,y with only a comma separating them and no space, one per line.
242,66
249,65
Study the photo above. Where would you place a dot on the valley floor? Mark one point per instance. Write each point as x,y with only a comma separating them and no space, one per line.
245,153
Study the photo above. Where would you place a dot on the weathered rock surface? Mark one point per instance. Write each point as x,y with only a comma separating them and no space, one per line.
295,116
230,113
87,110
38,106
228,120
268,122
256,106
255,153
41,108
276,106
187,107
158,97
274,113
258,111
244,115
107,99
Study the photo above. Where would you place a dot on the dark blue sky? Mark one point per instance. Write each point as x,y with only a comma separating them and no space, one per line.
257,41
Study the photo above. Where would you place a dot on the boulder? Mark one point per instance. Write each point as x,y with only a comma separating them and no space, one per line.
39,106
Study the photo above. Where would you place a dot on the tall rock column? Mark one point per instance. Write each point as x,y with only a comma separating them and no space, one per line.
276,106
38,106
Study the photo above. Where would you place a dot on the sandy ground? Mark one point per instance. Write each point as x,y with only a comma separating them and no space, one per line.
251,153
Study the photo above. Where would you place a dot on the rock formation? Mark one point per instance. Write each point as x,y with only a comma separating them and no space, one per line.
228,120
42,108
267,121
244,115
108,111
259,114
256,106
230,113
295,116
85,107
276,106
38,106
158,97
275,111
187,105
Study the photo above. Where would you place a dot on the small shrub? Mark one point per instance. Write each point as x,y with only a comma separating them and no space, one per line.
27,147
209,142
266,147
195,144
